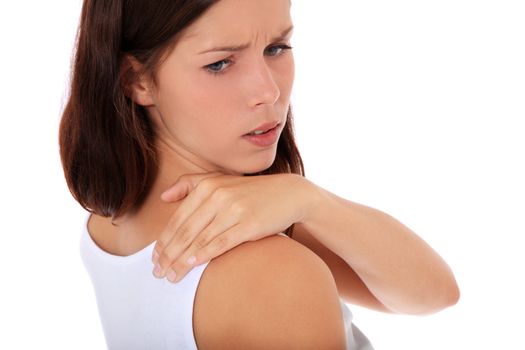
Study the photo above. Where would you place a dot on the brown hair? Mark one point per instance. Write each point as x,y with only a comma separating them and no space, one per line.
107,141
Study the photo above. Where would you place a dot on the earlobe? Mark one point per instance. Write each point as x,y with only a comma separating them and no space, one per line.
135,83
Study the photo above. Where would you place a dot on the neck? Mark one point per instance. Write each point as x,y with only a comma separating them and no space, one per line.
135,230
174,162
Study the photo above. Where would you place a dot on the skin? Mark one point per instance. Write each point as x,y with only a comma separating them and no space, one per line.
200,117
376,261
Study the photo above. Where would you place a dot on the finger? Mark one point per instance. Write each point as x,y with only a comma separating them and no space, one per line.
212,242
188,206
219,245
185,235
184,185
185,209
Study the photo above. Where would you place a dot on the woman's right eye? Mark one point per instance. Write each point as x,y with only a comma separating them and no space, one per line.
215,68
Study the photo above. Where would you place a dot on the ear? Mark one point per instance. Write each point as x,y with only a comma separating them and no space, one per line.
136,84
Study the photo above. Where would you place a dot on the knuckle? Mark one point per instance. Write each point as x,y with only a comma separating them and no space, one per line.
207,185
176,264
166,257
220,194
221,242
159,245
201,242
177,267
238,209
184,234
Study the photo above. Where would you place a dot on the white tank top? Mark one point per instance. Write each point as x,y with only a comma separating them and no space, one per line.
139,311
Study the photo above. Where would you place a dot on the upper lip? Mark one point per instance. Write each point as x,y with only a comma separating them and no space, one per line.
265,127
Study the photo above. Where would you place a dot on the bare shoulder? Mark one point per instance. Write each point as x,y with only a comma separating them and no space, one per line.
273,293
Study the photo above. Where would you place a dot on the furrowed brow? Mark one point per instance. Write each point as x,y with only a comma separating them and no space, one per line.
235,48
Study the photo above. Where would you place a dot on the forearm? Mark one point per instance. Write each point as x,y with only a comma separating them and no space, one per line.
398,267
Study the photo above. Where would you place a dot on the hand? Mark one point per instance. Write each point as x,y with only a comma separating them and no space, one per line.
219,212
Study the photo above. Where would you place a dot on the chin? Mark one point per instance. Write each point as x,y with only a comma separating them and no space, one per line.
254,165
258,168
250,164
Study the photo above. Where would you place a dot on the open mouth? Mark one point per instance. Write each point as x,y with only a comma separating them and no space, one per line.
256,133
261,132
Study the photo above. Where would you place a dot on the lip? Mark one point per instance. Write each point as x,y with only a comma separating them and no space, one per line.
265,127
265,140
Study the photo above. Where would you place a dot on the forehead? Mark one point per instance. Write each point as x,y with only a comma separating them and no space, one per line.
238,21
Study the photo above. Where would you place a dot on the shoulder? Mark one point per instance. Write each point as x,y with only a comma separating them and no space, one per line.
268,294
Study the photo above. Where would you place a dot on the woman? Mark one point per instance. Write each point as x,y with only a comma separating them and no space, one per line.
197,93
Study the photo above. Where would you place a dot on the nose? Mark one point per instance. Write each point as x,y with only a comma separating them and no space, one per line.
263,88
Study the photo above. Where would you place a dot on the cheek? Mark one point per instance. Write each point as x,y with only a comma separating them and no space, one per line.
212,109
198,113
188,95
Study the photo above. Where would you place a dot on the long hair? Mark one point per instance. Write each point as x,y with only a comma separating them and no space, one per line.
107,141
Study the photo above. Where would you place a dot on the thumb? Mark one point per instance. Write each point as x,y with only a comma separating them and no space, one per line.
183,186
177,191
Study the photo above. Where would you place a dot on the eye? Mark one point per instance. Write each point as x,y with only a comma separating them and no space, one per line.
211,67
281,47
219,66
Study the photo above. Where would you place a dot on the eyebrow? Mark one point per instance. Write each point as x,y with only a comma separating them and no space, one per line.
236,48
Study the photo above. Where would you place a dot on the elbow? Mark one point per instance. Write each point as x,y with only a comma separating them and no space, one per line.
430,301
450,293
444,297
451,296
443,293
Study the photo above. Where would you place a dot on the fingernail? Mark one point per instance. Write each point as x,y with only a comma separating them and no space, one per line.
191,260
157,271
171,275
156,257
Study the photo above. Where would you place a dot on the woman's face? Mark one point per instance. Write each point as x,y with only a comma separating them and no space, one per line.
206,100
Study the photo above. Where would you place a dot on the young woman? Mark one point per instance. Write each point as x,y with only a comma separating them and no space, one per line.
197,93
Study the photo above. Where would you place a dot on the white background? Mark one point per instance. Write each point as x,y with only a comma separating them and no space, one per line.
411,107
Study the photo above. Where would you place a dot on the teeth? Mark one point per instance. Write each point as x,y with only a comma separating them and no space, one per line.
258,132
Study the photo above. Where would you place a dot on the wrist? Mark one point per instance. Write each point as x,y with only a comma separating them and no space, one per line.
311,197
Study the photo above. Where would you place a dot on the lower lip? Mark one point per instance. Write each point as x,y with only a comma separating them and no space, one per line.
264,140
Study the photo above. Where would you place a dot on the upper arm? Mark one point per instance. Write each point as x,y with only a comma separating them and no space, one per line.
269,294
351,287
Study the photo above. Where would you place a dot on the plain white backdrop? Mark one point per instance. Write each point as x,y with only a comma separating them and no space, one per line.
412,107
